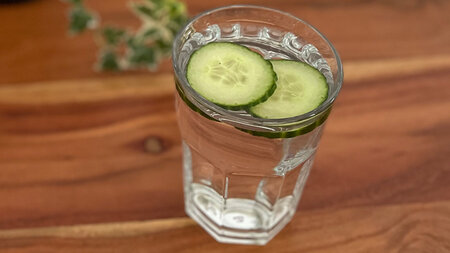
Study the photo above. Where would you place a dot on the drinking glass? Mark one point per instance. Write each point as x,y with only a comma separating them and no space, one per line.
243,176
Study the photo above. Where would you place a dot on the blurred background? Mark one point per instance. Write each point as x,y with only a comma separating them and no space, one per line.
35,45
80,146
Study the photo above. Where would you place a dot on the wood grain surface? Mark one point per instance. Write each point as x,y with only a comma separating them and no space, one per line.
91,162
400,228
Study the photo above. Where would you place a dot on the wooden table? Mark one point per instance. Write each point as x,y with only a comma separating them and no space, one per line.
91,162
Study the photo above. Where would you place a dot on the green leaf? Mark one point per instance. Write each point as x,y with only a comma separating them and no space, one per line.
178,16
80,20
112,35
140,54
163,46
179,19
108,61
176,8
151,33
145,11
158,3
131,43
144,47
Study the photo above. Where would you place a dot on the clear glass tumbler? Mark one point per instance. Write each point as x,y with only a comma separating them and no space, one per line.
243,176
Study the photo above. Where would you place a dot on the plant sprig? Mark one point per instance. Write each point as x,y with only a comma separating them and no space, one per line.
121,49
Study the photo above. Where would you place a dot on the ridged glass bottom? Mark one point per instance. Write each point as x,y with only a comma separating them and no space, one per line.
243,221
252,216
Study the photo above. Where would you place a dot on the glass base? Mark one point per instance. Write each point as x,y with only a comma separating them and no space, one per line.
243,221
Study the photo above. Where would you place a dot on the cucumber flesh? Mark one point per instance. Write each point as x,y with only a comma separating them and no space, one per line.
231,75
300,89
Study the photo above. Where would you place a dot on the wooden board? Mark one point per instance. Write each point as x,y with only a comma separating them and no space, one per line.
388,229
91,162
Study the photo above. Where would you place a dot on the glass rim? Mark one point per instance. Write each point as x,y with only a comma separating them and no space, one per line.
253,121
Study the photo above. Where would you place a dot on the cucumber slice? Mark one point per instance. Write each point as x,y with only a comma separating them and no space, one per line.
286,134
231,75
300,89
